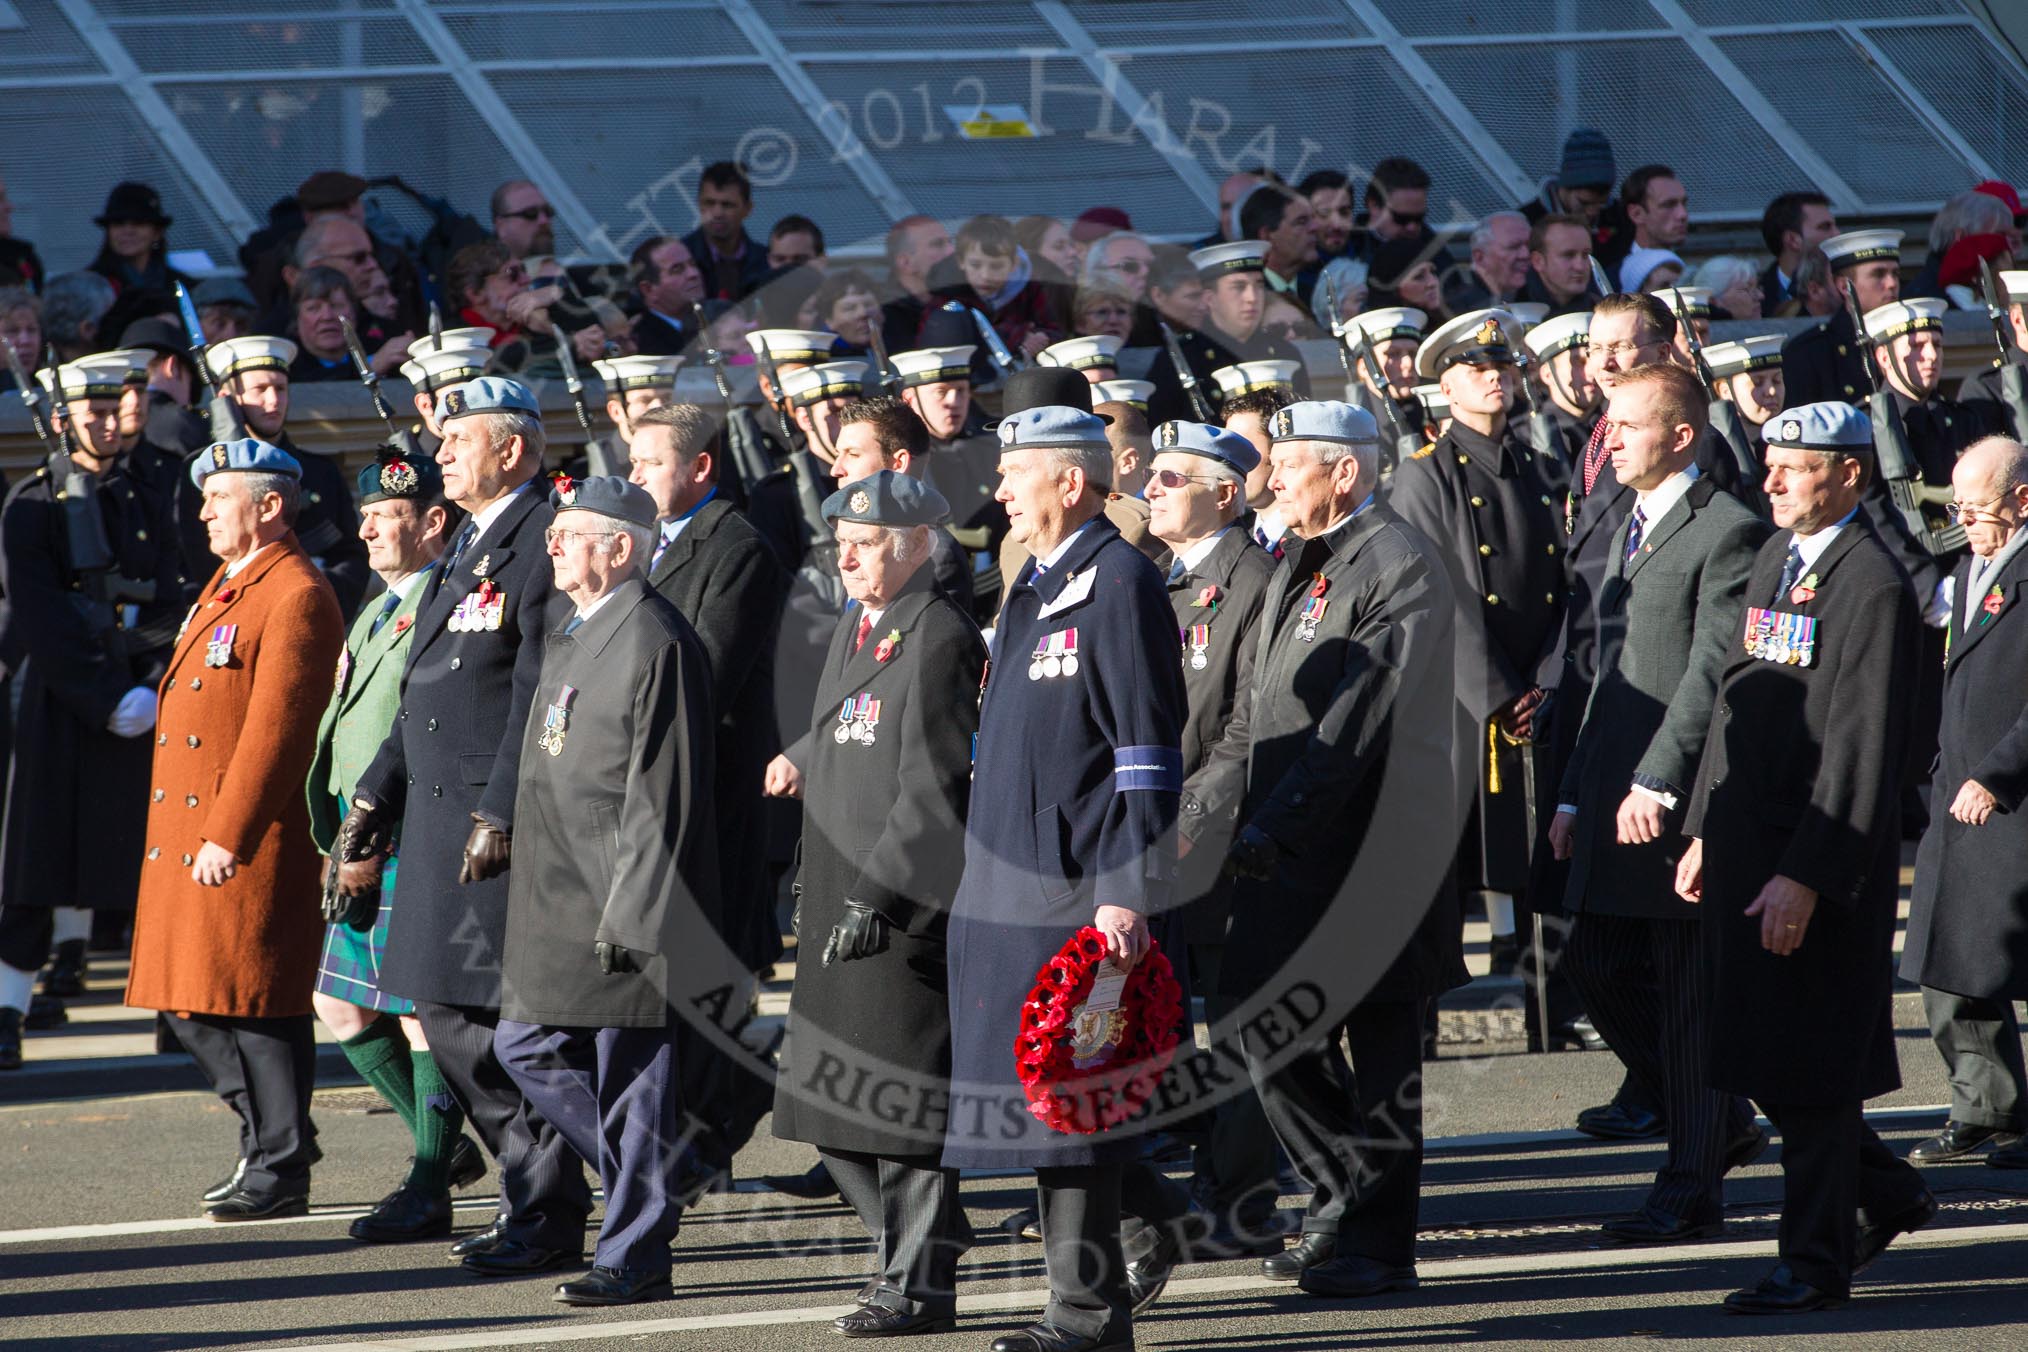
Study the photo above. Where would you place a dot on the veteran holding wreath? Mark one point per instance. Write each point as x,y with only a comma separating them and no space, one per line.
1074,796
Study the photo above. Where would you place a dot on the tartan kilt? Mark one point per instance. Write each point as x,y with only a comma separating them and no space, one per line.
350,967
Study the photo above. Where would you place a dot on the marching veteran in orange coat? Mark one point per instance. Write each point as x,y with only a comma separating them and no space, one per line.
227,926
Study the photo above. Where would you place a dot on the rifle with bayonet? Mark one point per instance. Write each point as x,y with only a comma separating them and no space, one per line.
30,392
1184,374
749,461
777,400
1598,278
890,378
1407,440
996,348
88,553
2013,375
1338,327
1893,460
401,441
228,423
566,360
1724,415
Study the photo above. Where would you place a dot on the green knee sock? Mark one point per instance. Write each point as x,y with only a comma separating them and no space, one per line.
438,1124
380,1054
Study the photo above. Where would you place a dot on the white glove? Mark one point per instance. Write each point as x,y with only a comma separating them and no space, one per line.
135,713
1939,613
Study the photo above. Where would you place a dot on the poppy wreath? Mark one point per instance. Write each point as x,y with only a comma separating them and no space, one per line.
1082,1100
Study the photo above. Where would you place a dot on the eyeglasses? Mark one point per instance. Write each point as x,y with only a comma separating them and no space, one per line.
1960,512
1130,265
544,212
553,534
1170,478
358,260
1624,353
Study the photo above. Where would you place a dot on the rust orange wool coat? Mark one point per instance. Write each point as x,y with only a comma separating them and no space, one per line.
232,746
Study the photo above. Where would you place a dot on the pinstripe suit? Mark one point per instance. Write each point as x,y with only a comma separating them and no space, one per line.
1667,614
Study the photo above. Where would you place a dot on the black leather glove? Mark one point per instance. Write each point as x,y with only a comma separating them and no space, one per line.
1252,855
617,959
860,934
487,852
363,834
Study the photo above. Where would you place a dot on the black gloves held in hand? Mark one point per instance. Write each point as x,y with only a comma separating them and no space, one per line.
1252,855
860,934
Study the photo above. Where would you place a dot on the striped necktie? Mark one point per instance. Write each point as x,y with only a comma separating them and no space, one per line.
387,609
1636,526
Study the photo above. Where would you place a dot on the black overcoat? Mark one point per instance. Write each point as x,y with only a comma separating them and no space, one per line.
1801,776
883,824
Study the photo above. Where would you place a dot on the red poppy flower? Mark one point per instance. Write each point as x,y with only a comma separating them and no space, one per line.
1082,1100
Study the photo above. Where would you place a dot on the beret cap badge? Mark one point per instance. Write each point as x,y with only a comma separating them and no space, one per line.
218,455
1792,429
1490,333
1284,424
861,502
454,402
398,477
1165,435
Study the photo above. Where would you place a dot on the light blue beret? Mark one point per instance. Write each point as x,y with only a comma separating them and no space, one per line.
1821,427
248,454
1213,443
1053,425
1324,420
487,394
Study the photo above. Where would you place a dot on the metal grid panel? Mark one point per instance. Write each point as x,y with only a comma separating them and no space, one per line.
1897,160
46,45
116,11
1130,23
1305,110
267,138
588,32
1492,18
637,173
272,44
1717,12
1653,98
53,134
818,26
1086,160
1984,99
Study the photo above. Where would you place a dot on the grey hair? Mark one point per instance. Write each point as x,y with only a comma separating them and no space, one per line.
1723,272
72,301
1345,274
1331,452
287,487
501,426
1483,236
1095,461
1969,213
311,242
1096,271
644,542
899,537
14,298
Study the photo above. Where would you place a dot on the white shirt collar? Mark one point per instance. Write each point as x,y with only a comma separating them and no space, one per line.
238,566
1201,551
1269,523
1658,501
404,587
1812,547
1063,547
483,520
587,612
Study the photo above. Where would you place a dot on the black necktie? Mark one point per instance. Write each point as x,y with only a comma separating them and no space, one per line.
444,569
1792,572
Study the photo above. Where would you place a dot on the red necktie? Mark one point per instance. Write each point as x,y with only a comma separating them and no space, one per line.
865,628
1595,455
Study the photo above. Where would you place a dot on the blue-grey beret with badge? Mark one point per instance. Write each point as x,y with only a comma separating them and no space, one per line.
1821,427
1213,443
487,394
606,494
885,498
1324,420
1054,426
248,455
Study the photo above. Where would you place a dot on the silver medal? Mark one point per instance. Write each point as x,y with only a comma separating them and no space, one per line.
1070,664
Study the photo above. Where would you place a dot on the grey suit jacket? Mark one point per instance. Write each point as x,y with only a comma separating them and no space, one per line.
1667,620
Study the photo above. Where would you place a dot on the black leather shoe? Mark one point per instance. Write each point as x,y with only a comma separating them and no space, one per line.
813,1185
1619,1122
1579,1033
1746,1149
865,1294
244,1204
1959,1140
1875,1236
614,1286
1148,1274
1352,1276
468,1163
10,1039
1047,1337
479,1241
223,1189
1313,1248
2013,1156
1780,1292
404,1214
1652,1225
66,974
1024,1224
44,1013
515,1258
877,1321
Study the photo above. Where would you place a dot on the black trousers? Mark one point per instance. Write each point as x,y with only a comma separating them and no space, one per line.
1981,1047
910,1207
543,1193
1641,980
25,933
1235,1167
1080,1210
263,1070
1836,1173
1354,1131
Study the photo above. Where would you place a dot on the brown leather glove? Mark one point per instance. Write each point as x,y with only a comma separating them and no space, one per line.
488,851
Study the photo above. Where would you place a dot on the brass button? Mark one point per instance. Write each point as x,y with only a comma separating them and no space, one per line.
188,861
1548,501
192,739
158,796
1478,501
1464,460
1486,550
1552,551
1551,598
190,801
1491,599
197,683
140,535
1841,349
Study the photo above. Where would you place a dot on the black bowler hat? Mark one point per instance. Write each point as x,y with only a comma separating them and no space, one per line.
132,203
1044,386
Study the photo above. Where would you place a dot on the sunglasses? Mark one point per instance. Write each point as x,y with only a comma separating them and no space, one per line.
545,212
1173,479
1128,265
